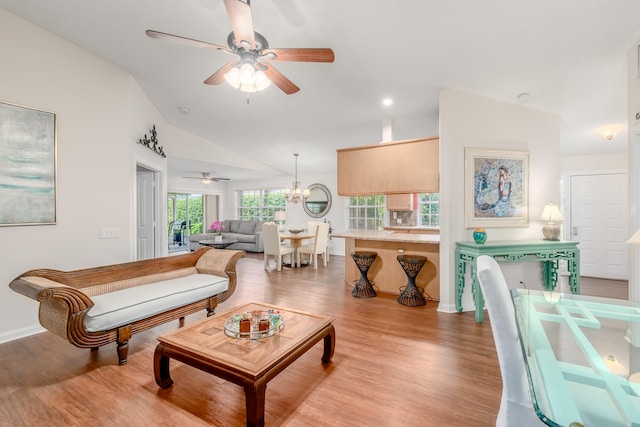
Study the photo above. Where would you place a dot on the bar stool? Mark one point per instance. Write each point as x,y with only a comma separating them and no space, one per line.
363,259
411,295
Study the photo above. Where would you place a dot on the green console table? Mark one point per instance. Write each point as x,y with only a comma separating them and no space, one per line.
546,251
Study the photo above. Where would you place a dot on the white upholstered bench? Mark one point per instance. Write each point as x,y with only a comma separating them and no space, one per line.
97,306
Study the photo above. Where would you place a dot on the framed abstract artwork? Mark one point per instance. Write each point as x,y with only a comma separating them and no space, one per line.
496,188
27,166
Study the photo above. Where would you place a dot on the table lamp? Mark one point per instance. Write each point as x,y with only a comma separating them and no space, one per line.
552,216
281,216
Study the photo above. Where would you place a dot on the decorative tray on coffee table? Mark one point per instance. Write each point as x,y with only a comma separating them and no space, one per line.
254,324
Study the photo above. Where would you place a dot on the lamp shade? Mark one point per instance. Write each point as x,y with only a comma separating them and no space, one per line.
247,78
281,216
635,239
551,213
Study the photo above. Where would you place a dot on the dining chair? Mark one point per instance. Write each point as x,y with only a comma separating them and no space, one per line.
312,227
273,247
318,247
516,407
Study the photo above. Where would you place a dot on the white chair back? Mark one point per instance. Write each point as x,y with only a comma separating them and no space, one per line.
322,237
516,408
312,226
318,247
271,238
272,246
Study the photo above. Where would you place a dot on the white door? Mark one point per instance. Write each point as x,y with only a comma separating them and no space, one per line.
145,224
599,221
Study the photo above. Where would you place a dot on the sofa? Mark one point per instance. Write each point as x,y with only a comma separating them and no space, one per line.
97,306
248,234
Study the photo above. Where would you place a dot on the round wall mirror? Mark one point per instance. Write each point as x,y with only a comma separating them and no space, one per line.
319,201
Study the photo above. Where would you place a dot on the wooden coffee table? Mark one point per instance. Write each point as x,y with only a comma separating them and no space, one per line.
204,345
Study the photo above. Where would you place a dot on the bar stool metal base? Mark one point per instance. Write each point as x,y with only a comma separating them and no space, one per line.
363,287
411,295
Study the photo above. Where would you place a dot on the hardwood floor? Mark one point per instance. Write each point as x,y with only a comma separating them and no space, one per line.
393,366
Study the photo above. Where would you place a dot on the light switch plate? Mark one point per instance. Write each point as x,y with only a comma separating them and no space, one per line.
109,233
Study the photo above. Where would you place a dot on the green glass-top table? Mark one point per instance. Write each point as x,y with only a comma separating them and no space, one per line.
546,251
582,357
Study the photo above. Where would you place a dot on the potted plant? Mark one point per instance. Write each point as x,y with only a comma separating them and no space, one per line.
217,228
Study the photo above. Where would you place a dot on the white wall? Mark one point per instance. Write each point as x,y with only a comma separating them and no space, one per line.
101,114
595,162
471,121
89,97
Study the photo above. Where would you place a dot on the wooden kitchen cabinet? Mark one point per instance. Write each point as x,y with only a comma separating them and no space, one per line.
398,167
402,202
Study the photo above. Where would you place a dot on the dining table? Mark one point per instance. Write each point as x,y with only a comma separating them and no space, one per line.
582,357
296,241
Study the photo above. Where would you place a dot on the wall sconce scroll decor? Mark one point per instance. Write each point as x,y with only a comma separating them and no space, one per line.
152,144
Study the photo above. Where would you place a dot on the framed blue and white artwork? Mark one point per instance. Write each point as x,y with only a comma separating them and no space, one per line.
27,166
496,188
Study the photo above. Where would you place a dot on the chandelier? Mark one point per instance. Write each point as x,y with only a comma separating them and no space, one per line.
295,194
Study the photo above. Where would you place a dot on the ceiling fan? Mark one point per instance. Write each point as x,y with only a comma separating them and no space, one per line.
249,73
206,178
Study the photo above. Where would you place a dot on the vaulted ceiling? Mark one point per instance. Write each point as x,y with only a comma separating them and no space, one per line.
570,56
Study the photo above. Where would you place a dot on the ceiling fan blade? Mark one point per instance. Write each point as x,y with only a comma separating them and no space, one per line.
184,40
220,179
302,54
278,79
218,77
241,21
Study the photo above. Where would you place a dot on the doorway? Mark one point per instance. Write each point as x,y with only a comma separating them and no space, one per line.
188,214
600,222
146,213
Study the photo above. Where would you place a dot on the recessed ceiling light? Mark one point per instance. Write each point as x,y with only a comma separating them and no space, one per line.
387,102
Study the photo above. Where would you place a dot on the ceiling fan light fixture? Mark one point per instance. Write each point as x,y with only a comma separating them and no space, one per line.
233,77
247,78
262,81
247,74
251,47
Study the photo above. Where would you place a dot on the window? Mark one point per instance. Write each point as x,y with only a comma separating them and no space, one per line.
429,209
260,205
185,216
366,212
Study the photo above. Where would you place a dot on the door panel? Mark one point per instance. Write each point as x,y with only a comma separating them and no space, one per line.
145,230
599,221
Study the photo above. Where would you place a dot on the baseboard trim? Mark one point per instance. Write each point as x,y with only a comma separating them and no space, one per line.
451,308
20,333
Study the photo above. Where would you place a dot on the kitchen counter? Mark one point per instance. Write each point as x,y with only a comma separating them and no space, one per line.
412,229
386,272
388,236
